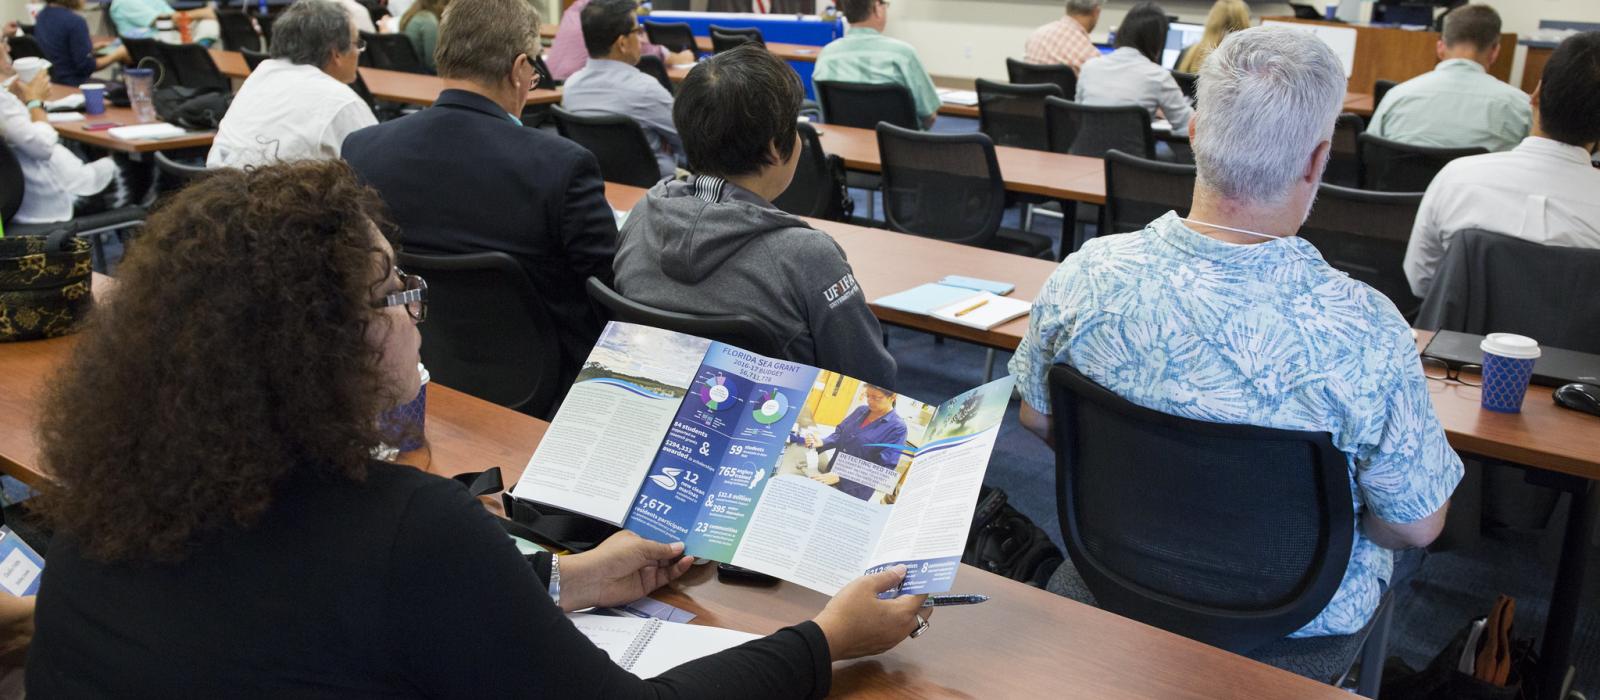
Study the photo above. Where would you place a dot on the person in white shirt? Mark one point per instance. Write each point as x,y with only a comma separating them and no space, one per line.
298,104
360,16
612,84
1132,74
1545,190
53,178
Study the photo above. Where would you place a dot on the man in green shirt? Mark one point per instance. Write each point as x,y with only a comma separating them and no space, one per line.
865,55
1458,104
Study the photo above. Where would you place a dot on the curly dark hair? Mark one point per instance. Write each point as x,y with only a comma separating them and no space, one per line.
232,353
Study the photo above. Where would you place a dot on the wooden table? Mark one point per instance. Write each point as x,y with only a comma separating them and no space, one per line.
123,116
386,85
1023,641
1358,103
1392,53
702,44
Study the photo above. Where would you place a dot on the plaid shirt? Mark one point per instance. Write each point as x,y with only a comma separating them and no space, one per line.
1061,41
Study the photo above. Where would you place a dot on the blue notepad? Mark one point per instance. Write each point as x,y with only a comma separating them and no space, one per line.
20,566
925,298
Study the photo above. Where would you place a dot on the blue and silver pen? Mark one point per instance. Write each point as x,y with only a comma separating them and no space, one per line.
939,601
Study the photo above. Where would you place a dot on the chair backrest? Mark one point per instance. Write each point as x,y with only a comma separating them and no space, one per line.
147,53
361,90
1013,115
393,52
254,58
1379,90
182,173
814,191
733,329
673,36
1058,74
1233,535
487,333
1344,162
238,30
1364,234
11,183
1493,283
24,46
1140,190
1087,130
1391,166
191,66
617,141
1189,83
944,186
724,38
653,66
863,105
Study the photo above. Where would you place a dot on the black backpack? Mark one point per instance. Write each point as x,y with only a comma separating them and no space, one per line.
195,109
1004,541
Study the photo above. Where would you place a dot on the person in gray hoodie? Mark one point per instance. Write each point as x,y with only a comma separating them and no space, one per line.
713,243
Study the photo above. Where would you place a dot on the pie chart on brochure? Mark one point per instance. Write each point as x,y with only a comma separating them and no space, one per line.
770,406
717,392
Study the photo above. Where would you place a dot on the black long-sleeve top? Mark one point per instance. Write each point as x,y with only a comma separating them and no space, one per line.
401,586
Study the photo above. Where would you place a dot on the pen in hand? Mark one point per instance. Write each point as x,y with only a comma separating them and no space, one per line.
939,601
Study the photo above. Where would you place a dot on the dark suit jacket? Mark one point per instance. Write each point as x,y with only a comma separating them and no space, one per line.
463,177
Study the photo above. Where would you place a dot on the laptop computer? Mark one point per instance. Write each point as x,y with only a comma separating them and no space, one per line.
1554,367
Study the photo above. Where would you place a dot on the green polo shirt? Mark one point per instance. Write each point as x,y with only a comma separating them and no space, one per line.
865,56
1457,105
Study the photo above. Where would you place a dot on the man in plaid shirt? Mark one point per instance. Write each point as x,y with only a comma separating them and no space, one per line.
1066,40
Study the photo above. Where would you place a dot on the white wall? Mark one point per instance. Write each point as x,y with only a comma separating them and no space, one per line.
972,38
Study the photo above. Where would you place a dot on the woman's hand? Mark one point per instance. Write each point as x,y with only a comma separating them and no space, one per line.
36,89
624,568
857,623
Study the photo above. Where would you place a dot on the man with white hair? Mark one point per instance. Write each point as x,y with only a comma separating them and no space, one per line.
1066,40
1224,315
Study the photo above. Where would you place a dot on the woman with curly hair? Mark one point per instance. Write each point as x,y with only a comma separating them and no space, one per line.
223,531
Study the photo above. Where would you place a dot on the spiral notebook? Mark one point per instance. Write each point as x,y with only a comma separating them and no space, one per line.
649,647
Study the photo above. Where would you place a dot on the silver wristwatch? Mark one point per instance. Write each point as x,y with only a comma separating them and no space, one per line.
555,579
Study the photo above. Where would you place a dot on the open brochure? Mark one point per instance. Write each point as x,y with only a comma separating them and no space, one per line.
799,473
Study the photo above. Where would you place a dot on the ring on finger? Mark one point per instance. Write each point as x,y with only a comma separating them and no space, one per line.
922,626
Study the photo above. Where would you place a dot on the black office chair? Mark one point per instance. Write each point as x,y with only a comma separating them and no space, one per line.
238,30
1278,523
654,67
191,66
1364,234
1189,83
393,52
487,332
1344,162
672,36
948,187
1379,90
617,141
1140,190
1493,283
177,171
863,105
1057,74
254,58
24,46
93,226
1086,130
817,189
147,53
1391,166
724,38
734,329
1013,115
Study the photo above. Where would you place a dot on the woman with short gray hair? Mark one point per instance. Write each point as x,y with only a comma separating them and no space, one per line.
297,105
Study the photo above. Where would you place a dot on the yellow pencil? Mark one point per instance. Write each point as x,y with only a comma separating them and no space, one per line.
972,308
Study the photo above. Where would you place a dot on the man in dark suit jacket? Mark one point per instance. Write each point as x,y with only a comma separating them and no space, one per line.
465,176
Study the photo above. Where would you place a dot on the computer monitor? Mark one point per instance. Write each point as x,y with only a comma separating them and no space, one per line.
1180,35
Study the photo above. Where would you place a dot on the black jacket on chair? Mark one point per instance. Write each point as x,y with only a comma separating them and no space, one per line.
464,177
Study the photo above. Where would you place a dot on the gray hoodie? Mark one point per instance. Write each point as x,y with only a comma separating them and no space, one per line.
704,245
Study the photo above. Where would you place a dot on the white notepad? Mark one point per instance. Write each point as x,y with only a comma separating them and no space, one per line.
153,130
984,310
649,647
958,97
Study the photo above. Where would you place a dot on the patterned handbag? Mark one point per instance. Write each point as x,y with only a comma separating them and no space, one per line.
44,285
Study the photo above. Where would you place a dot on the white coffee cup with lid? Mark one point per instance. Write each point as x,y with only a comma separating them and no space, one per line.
28,67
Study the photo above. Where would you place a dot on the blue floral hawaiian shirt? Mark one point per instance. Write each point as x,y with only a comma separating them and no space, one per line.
1266,334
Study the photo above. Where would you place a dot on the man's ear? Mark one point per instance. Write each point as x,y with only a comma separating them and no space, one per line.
1193,119
1319,155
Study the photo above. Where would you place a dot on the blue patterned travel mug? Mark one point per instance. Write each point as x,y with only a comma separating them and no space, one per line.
1507,366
